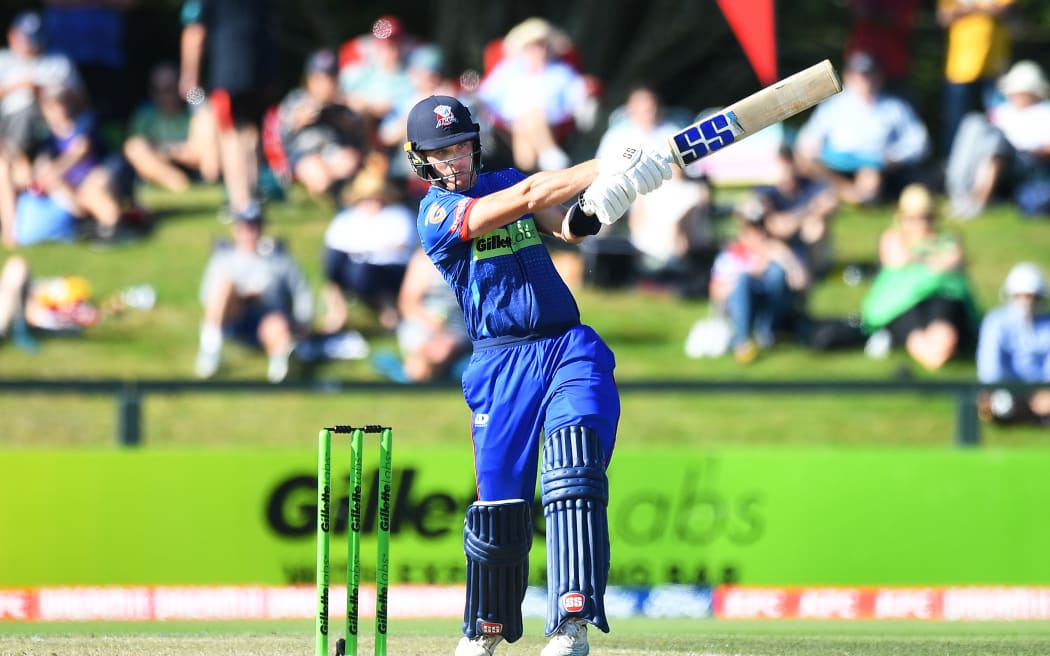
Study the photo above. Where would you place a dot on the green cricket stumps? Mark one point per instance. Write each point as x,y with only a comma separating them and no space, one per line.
385,489
324,514
353,548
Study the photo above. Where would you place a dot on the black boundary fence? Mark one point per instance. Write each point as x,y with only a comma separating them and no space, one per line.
129,395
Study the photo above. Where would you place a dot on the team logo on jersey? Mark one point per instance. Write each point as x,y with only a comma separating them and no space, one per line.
572,602
444,115
436,214
491,628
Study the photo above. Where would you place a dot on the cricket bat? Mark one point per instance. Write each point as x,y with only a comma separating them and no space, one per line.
761,109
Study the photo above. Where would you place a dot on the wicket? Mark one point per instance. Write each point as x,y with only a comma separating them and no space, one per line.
348,645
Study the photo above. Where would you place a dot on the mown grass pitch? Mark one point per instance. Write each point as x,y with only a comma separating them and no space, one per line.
635,637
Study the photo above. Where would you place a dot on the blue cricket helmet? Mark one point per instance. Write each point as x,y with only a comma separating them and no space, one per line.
437,122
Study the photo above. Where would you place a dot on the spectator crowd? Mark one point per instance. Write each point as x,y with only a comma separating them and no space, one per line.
76,147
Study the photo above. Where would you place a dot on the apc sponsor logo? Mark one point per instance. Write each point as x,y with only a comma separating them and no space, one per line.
905,604
14,605
491,628
573,602
829,603
752,603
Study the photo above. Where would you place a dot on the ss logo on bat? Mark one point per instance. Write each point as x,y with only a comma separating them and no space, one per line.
704,138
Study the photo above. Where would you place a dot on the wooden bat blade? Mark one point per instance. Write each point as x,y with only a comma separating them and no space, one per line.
778,101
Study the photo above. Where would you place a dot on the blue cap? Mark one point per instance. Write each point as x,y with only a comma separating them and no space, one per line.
322,61
426,57
440,121
31,26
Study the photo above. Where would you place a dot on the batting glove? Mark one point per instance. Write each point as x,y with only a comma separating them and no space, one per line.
608,197
645,168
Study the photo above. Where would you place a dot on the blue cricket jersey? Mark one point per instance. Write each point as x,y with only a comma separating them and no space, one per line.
549,372
505,281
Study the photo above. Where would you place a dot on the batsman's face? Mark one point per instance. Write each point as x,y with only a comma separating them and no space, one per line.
453,165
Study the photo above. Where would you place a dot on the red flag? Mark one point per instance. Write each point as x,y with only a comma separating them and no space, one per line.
752,23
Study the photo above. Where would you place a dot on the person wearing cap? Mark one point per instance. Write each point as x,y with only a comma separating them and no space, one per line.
323,139
376,82
536,371
921,297
753,280
366,249
1024,120
868,143
1005,151
531,96
252,291
1013,346
425,68
25,67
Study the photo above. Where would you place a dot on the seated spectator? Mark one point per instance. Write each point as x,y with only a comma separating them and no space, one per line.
425,70
670,226
531,96
323,139
1014,347
74,170
25,68
168,144
372,76
14,290
253,291
367,247
754,282
920,298
431,334
1008,150
867,143
799,211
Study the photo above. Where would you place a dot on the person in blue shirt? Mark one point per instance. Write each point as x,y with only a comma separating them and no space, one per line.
1014,347
536,370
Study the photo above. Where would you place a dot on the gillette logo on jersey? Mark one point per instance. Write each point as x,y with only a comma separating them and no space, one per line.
573,602
444,115
506,240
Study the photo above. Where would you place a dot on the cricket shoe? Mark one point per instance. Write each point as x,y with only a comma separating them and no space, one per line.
569,640
482,645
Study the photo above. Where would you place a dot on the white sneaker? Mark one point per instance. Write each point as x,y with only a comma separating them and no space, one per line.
482,645
879,345
277,369
207,364
569,640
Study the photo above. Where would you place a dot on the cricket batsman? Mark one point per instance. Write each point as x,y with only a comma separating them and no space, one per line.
536,369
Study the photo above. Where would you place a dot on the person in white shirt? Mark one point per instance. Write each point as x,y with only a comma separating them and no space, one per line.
1014,347
367,248
671,223
1007,149
866,142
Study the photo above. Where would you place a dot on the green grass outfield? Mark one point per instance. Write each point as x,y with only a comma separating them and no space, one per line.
647,331
635,637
